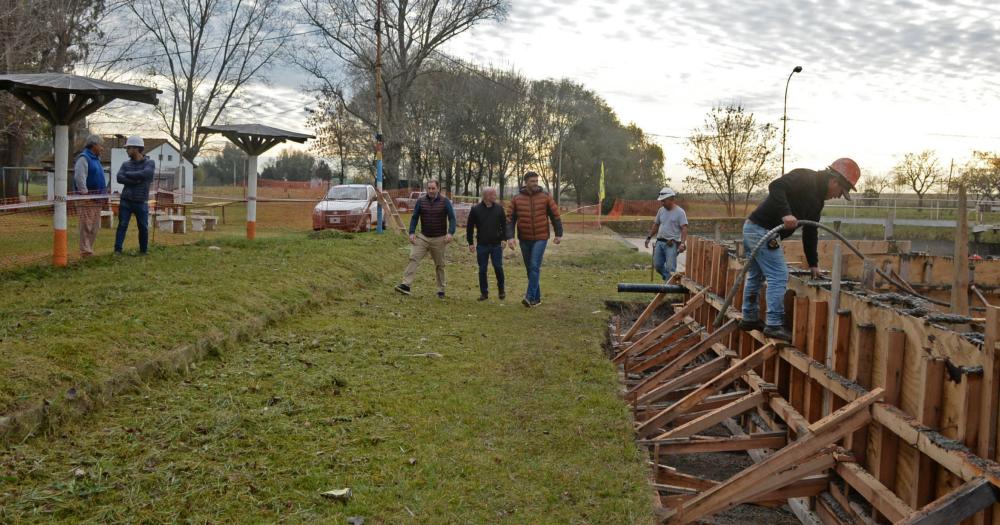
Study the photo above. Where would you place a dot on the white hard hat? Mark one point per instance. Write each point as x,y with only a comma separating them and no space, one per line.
666,193
135,140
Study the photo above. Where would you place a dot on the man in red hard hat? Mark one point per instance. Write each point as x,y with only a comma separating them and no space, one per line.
798,194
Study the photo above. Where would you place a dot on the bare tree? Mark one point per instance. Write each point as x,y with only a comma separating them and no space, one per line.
919,172
340,134
874,185
211,49
413,30
730,154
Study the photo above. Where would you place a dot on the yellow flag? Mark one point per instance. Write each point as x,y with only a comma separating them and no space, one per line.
600,194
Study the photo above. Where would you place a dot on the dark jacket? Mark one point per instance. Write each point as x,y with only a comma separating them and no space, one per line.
530,213
437,216
136,176
801,193
491,223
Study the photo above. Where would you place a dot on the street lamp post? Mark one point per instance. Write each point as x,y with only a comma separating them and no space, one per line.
784,117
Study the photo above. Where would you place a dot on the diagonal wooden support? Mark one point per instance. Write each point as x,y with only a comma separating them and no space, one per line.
960,504
644,316
677,318
699,374
748,483
664,351
715,417
870,488
718,382
681,360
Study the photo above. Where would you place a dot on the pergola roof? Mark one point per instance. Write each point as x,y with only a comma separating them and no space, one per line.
63,98
255,139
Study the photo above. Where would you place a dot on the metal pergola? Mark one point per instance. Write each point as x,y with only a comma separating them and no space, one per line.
254,140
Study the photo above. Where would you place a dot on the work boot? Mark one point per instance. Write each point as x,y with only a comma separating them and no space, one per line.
403,289
483,297
502,295
440,295
777,332
749,326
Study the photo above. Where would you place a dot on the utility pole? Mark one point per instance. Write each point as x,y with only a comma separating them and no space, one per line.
784,117
379,144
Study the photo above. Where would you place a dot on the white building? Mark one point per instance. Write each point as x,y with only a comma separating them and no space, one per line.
173,172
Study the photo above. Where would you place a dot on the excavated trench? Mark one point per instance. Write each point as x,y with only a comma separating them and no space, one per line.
714,466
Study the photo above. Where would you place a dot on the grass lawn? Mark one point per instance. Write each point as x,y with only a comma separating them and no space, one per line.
517,421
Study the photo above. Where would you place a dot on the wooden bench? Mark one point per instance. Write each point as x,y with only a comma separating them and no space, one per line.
107,218
221,205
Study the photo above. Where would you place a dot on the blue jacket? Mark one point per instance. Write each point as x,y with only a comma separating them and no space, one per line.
95,173
136,176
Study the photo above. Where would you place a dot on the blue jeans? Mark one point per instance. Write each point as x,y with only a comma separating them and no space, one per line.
768,266
665,258
484,254
126,209
532,252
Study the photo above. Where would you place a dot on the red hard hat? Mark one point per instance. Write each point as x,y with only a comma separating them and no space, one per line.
848,169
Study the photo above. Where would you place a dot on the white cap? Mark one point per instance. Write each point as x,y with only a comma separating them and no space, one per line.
666,193
135,140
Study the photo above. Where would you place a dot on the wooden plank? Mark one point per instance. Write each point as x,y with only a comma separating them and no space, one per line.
665,349
987,441
707,421
932,377
761,477
841,351
860,372
842,499
696,375
644,316
870,488
960,280
654,334
671,476
724,444
816,349
683,359
718,382
800,335
887,452
972,497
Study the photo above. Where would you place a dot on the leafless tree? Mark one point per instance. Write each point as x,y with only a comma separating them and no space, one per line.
209,51
413,30
342,135
919,172
730,154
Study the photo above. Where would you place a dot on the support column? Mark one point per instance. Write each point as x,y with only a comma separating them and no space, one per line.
59,242
252,197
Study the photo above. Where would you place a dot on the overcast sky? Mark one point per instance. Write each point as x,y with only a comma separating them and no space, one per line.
880,79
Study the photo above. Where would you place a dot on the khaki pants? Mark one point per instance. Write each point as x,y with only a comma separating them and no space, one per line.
423,245
89,217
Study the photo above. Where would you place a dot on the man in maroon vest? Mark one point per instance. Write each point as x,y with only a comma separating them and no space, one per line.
437,226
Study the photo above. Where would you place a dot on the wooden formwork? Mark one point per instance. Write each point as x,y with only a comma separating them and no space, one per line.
868,416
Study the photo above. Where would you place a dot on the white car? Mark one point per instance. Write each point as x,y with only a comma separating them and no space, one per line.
348,207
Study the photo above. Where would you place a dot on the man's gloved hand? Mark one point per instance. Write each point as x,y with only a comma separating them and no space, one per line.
647,242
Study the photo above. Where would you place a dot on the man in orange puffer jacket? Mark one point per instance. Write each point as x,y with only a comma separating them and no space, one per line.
530,212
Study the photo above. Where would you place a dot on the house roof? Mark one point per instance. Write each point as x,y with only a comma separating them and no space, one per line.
118,141
49,94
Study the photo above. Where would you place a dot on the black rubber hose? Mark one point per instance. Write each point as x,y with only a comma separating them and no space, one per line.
774,232
651,288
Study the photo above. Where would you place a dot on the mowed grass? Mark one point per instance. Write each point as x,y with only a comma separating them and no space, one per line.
517,420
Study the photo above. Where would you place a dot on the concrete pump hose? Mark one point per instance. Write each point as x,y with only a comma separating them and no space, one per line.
774,232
